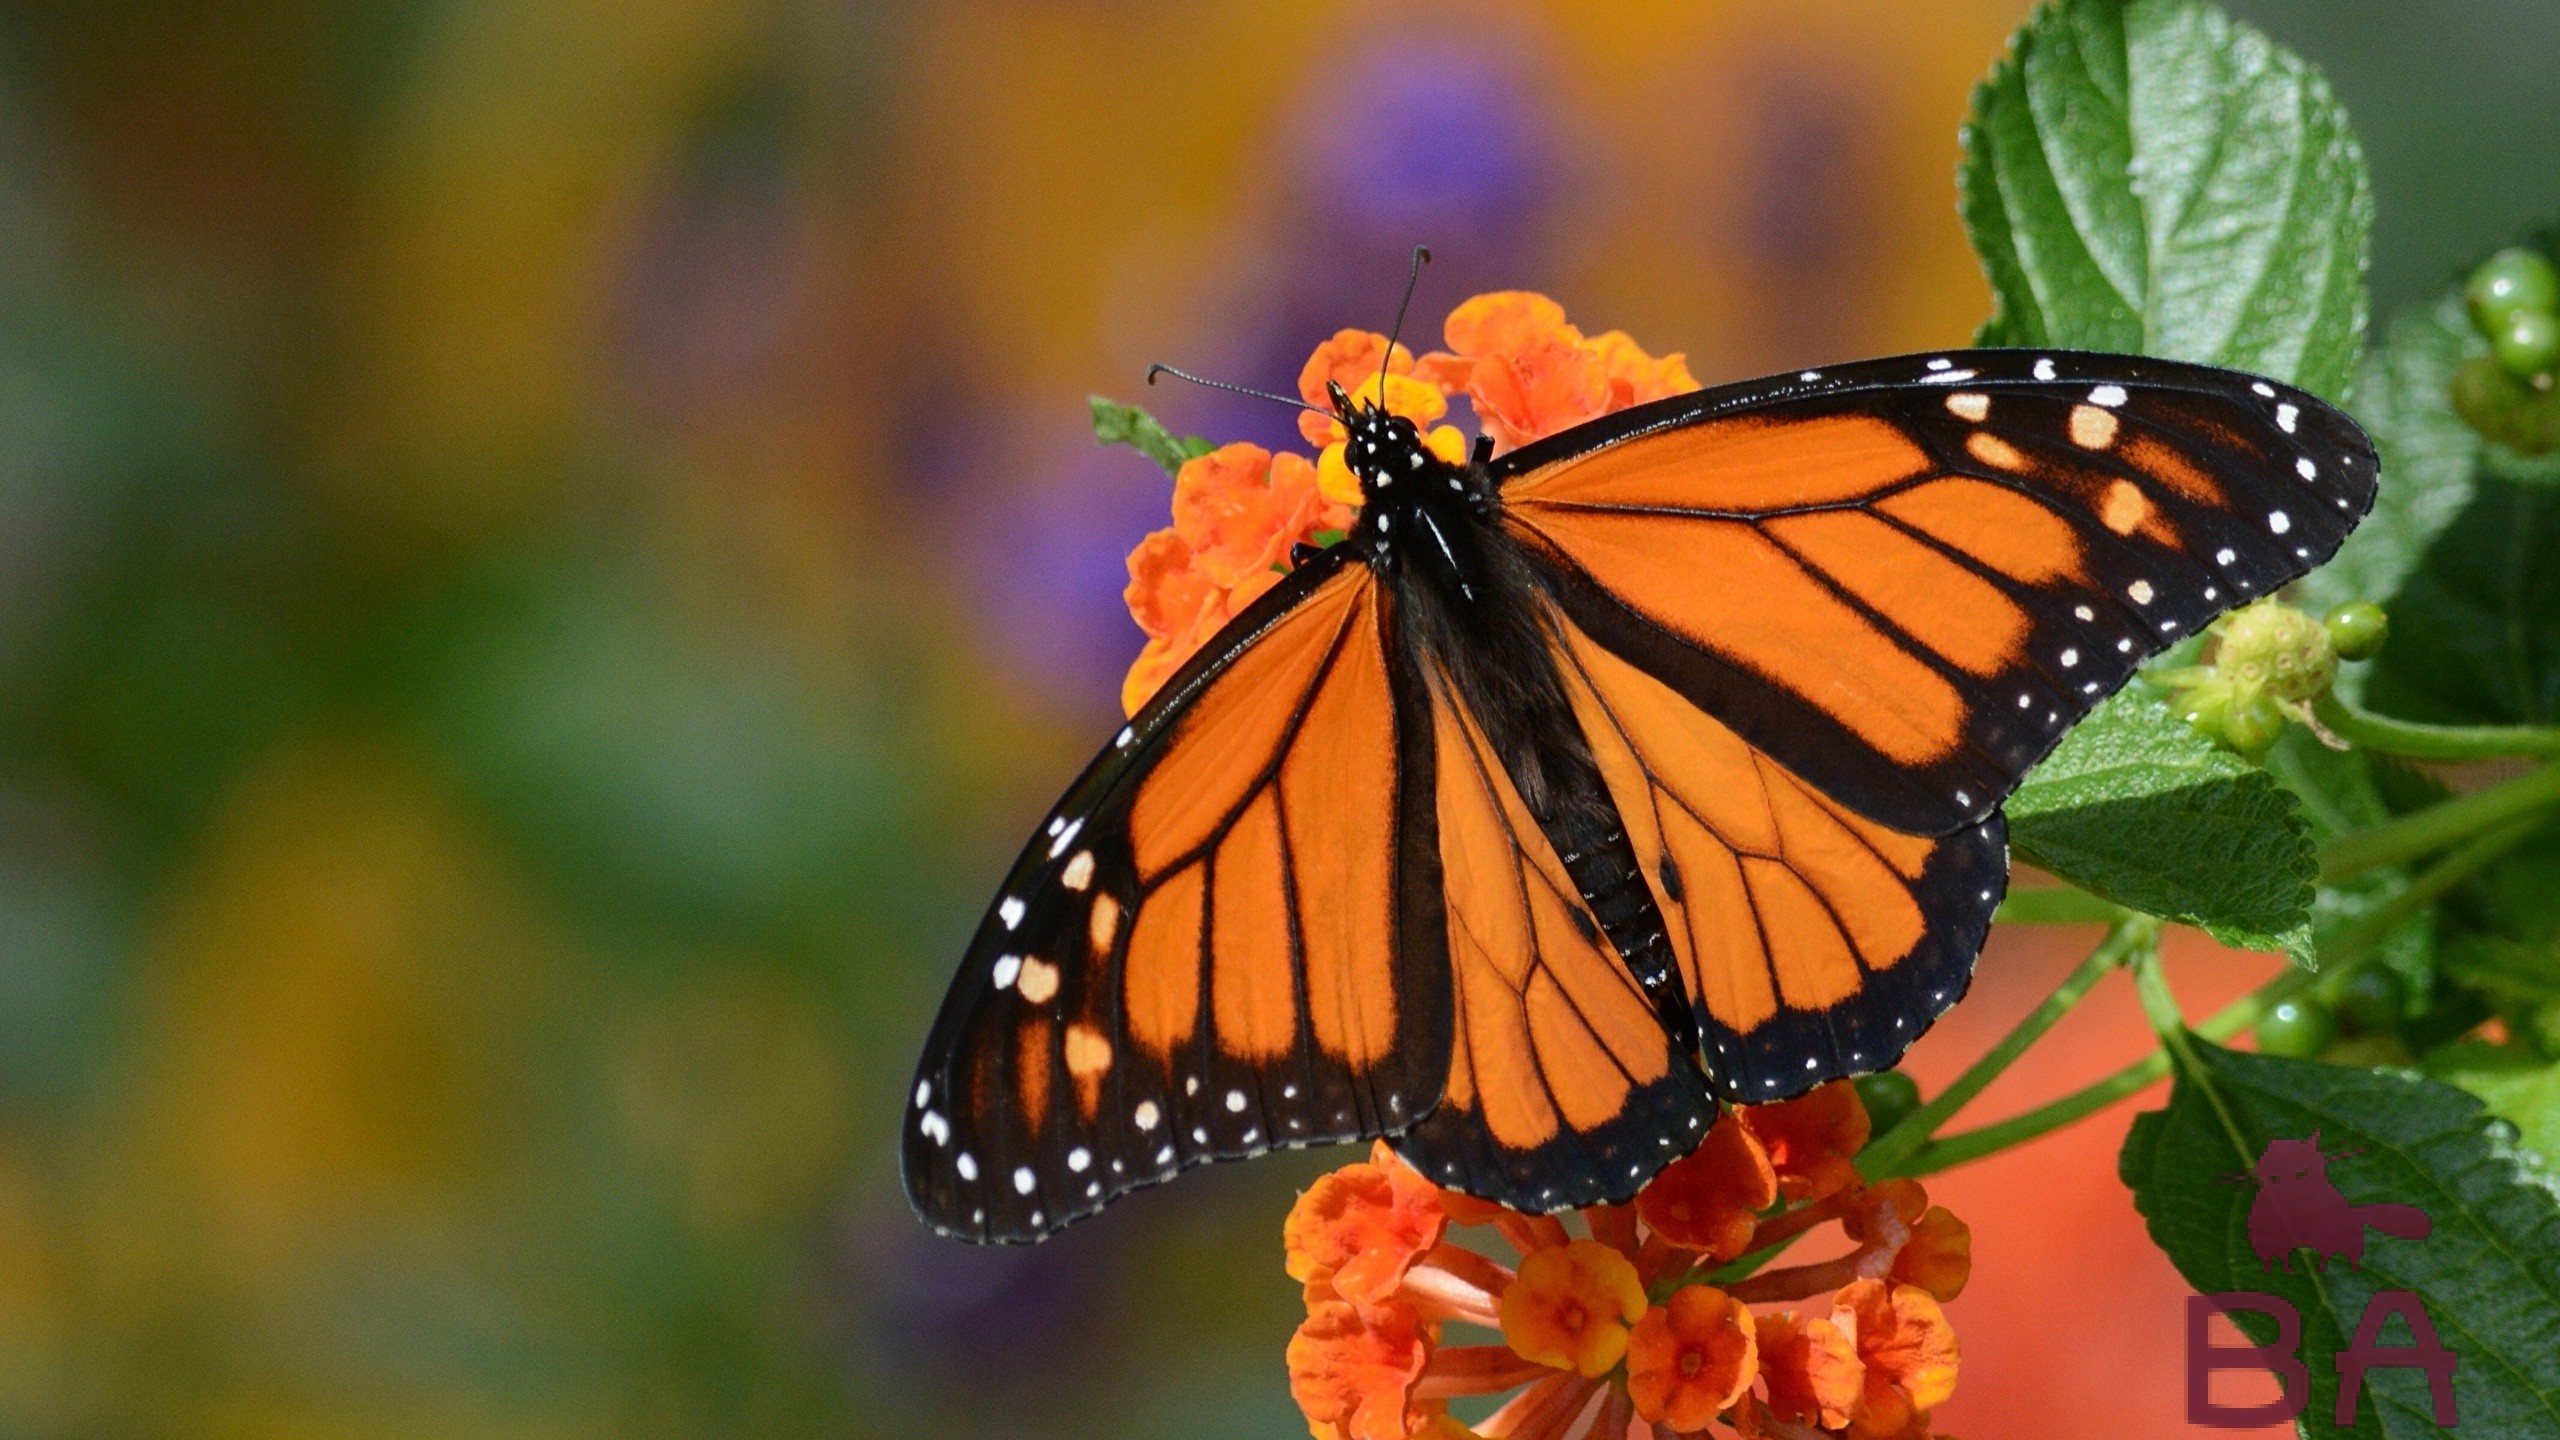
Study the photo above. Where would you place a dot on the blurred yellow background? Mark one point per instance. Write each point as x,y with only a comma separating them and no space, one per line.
549,550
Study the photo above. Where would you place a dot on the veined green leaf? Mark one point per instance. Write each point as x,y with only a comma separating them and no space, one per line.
2134,805
2154,177
1118,424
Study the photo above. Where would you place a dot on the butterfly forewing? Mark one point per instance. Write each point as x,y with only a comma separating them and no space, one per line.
1223,941
1905,579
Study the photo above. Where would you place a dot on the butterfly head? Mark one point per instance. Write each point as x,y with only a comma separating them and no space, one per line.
1382,447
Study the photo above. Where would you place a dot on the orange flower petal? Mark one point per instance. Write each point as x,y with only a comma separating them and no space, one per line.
1506,322
1571,1307
1939,1256
1636,377
1710,1199
1356,1368
1812,1366
1356,1232
1903,1339
1350,360
1691,1357
1813,1138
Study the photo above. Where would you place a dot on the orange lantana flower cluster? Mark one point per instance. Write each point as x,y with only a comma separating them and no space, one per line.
1642,1325
1240,510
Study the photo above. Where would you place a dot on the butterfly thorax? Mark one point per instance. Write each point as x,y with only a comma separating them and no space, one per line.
1416,509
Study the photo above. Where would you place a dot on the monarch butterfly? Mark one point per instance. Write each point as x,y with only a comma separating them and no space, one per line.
1652,765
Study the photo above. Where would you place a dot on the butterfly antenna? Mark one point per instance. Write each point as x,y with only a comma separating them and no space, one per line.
1154,370
1421,257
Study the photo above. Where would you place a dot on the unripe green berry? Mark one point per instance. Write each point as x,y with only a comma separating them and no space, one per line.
2369,999
2513,279
2357,629
2527,343
2503,408
2272,648
1889,1098
2299,1028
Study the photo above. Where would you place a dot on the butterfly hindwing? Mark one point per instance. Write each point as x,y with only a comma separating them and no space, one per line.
1224,940
1905,579
1564,1088
1814,943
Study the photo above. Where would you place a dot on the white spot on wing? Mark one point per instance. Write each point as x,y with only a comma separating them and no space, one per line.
2070,658
1235,1102
2044,369
1079,871
2263,388
1065,838
968,1165
1024,1182
1940,363
2285,417
2107,395
2225,556
924,1092
2306,469
1146,1115
1079,1159
2083,612
1010,912
2278,521
2141,592
1007,967
1947,377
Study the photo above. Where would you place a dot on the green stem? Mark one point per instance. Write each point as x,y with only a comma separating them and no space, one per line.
2359,938
2350,949
2161,1008
2241,1014
2057,905
2130,935
2438,826
2354,723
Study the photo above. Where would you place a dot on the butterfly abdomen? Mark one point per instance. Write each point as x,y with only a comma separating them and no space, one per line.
1494,647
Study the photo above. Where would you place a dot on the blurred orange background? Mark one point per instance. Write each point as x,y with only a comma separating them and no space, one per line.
549,551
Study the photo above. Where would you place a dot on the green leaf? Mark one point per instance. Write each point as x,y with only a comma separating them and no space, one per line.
2134,805
2475,628
1118,424
2404,400
2489,1271
2155,177
2516,1084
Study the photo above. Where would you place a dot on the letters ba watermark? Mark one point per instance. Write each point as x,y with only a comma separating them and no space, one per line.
2298,1208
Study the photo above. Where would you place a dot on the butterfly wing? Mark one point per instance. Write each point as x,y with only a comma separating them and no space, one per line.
1813,942
1903,580
1563,1089
1225,939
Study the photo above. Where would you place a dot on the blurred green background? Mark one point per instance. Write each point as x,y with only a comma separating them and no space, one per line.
549,552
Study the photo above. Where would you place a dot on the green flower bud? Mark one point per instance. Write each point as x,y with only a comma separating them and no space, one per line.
2357,629
2297,1028
2271,649
2253,724
2513,279
1889,1097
